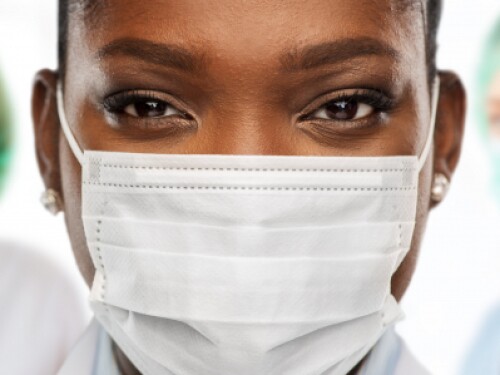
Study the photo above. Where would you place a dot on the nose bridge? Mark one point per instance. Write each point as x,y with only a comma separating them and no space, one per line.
247,111
248,124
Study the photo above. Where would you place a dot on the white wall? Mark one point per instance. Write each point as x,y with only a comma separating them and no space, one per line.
27,43
457,278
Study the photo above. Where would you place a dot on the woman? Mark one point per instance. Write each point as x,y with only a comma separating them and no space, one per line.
241,181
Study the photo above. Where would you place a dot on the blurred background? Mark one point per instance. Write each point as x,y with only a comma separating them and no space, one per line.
458,276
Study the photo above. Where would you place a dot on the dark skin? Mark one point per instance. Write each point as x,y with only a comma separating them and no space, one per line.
322,77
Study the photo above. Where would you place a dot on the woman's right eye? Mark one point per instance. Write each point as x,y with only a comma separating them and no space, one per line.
142,105
149,108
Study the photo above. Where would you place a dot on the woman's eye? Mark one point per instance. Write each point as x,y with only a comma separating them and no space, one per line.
150,108
343,110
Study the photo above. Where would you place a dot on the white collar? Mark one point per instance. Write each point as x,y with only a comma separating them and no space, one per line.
82,357
391,356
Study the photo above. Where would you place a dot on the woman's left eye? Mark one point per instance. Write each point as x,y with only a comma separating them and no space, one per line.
343,110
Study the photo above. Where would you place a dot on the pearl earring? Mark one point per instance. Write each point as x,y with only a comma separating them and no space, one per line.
440,187
52,201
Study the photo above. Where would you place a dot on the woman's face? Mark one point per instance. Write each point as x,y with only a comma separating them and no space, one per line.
316,77
493,108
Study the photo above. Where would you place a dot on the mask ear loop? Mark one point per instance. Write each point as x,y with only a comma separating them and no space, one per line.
70,137
430,135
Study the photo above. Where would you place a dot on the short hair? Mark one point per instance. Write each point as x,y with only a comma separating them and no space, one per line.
433,18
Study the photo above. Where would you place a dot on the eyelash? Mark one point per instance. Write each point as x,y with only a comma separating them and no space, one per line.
375,98
117,103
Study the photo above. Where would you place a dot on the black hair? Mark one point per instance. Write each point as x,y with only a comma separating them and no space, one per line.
433,18
434,11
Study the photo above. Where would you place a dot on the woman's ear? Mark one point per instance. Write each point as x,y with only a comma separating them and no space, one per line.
450,123
47,128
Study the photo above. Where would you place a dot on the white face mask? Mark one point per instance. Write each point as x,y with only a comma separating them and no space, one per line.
230,264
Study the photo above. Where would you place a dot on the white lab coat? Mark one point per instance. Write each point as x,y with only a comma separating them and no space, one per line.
390,354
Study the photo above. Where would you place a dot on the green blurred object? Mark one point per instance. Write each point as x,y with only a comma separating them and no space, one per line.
488,69
5,135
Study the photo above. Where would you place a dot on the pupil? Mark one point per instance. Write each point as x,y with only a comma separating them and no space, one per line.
150,109
343,110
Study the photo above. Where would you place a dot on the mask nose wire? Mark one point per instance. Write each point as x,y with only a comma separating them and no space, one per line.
430,135
77,151
70,137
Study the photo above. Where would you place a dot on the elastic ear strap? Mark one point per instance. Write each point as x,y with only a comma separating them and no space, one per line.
430,135
73,144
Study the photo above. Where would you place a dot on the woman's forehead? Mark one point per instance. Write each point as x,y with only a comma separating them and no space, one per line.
243,27
94,8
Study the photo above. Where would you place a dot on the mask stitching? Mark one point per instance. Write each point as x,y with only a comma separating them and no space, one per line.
98,236
120,166
263,188
99,255
400,235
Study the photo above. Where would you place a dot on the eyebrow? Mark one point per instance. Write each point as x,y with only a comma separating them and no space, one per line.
153,53
309,57
335,52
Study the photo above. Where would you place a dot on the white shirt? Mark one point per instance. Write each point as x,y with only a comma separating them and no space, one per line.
93,356
41,314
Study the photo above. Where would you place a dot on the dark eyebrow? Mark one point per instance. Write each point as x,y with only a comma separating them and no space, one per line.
153,53
335,52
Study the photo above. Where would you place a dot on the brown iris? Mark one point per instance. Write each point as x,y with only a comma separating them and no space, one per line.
150,108
342,110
